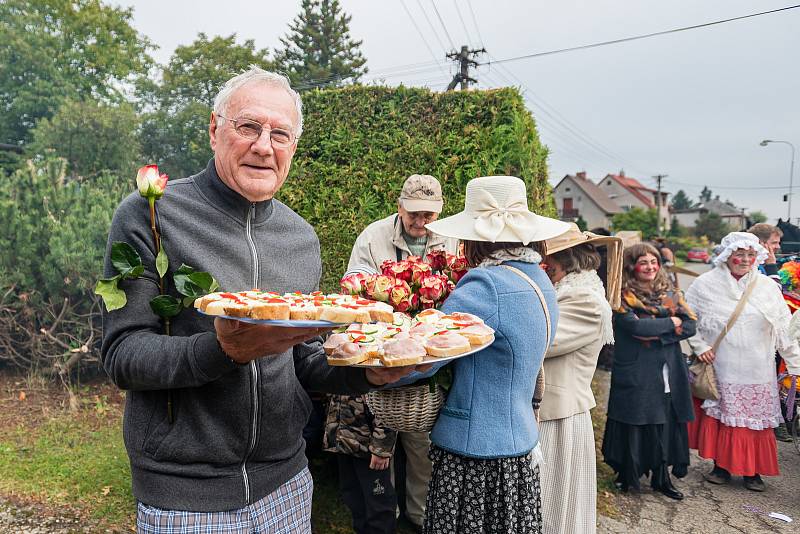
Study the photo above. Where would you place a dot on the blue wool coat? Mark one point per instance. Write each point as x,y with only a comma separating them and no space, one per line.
488,412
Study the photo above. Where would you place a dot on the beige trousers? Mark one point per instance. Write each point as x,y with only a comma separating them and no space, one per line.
418,473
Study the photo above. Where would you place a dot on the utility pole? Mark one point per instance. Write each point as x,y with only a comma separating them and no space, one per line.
464,61
658,178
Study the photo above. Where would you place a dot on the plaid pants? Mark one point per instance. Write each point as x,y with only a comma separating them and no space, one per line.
285,510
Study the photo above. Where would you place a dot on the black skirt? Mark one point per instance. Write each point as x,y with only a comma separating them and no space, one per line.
636,450
482,496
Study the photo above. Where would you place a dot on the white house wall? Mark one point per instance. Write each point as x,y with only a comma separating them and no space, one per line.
591,212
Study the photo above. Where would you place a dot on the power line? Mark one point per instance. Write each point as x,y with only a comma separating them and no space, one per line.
458,12
452,46
475,22
644,36
433,29
422,35
565,124
685,184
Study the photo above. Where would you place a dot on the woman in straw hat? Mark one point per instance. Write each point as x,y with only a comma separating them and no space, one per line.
483,476
569,490
649,403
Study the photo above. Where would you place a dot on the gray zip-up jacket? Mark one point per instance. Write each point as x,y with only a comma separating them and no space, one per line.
237,430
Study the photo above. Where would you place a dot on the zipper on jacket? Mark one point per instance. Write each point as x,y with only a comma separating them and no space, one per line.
253,367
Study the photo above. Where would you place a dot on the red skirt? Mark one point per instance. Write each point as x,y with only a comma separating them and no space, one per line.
740,451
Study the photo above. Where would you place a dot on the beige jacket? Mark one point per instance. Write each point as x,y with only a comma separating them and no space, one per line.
381,240
570,363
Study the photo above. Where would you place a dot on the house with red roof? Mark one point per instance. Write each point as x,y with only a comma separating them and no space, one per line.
628,192
577,197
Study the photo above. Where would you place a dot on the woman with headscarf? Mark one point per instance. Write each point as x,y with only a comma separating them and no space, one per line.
484,478
736,429
569,480
649,403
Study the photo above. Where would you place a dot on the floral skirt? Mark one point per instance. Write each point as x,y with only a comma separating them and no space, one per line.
740,451
482,496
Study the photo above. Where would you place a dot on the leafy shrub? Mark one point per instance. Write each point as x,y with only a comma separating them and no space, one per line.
360,143
358,147
51,251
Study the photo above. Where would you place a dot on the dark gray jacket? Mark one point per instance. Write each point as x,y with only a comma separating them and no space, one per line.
237,430
637,381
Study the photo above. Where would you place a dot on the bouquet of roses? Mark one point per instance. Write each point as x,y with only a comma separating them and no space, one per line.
410,285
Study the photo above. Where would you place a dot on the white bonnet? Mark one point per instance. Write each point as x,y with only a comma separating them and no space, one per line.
736,240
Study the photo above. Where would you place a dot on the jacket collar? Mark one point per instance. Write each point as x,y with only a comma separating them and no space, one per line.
228,200
434,240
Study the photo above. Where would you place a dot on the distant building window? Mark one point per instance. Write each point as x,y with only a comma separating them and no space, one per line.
567,189
609,182
579,198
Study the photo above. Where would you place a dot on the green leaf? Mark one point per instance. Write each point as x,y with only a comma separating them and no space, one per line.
108,289
162,262
191,283
126,260
188,301
165,306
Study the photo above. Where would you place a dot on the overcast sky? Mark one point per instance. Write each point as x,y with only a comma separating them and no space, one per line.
692,105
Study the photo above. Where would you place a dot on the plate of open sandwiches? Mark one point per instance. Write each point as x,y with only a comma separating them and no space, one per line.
432,336
297,310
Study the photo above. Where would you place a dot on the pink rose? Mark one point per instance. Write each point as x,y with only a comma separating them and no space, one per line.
457,267
437,259
434,289
401,270
401,297
418,272
355,284
378,287
150,183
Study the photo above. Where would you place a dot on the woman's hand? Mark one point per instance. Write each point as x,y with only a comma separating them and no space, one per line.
377,463
707,357
676,321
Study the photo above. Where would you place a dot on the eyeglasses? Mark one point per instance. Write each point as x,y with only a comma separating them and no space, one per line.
252,130
427,216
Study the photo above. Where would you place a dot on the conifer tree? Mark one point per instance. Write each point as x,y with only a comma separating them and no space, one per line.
318,50
681,201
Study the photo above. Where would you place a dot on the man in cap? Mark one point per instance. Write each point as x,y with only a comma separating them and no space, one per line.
403,234
396,237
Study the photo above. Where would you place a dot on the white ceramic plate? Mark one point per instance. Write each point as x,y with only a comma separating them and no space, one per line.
286,323
376,362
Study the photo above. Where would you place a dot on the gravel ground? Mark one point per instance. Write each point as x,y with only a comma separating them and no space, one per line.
710,509
30,519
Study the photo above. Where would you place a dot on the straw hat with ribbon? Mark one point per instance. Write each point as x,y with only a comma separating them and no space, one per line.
496,209
574,237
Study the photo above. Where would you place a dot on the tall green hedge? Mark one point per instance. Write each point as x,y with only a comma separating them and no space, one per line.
360,143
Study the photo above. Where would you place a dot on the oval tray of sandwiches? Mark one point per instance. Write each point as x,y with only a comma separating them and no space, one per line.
431,336
294,310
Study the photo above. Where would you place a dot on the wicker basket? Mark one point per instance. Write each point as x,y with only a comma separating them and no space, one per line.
407,409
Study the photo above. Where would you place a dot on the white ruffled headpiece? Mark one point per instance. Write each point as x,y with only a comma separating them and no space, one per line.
736,240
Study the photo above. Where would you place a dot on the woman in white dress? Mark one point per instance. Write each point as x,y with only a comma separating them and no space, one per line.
569,486
736,430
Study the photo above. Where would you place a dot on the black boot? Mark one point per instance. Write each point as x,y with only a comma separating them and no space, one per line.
662,483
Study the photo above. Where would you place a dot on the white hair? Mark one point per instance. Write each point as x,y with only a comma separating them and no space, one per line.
257,74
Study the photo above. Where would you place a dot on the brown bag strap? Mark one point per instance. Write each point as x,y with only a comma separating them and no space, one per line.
735,315
541,299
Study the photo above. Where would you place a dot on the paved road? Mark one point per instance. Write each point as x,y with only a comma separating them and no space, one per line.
710,509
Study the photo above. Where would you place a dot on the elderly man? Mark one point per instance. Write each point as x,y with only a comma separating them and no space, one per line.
395,238
403,234
229,457
770,238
